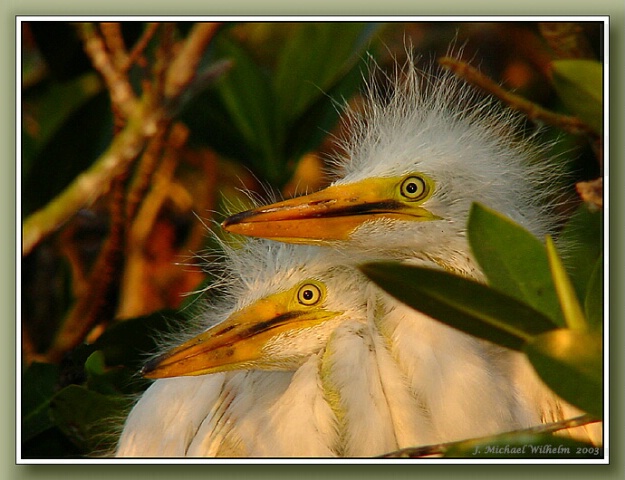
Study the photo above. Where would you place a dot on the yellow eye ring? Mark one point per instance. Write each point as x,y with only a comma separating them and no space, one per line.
414,188
309,294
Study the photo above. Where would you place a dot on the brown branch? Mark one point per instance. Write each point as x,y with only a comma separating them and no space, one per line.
140,46
120,90
114,40
533,111
161,182
164,55
204,199
142,121
183,69
135,297
442,448
144,171
95,306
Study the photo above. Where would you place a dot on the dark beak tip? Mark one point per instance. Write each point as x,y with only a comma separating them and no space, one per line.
150,366
238,218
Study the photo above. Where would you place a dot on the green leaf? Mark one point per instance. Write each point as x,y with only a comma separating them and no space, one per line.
579,83
572,310
461,303
524,445
314,59
211,124
39,383
89,418
570,362
514,261
593,304
308,131
108,380
581,240
250,102
95,364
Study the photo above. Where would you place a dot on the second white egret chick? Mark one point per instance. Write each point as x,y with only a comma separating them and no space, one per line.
304,358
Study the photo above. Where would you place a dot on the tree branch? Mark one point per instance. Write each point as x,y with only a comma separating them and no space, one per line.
117,83
183,69
533,111
442,448
89,185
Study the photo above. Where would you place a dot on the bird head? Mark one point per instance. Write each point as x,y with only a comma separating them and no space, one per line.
416,161
285,303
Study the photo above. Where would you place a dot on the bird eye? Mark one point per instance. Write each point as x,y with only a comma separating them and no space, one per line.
413,188
309,294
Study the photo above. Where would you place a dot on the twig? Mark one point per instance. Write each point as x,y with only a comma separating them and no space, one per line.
183,69
442,448
112,33
117,83
144,171
534,112
136,298
164,55
140,46
95,305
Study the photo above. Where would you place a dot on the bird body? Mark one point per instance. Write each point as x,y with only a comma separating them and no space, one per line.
377,378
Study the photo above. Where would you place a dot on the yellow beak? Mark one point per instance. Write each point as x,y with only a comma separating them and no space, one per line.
237,343
330,214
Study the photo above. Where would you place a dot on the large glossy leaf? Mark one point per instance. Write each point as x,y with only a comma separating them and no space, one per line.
307,131
461,303
511,445
570,362
514,261
211,124
314,59
248,96
593,304
579,83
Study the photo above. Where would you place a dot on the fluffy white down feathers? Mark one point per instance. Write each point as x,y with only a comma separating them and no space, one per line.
383,379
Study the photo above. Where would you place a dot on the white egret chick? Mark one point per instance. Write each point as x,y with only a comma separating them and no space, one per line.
413,166
305,357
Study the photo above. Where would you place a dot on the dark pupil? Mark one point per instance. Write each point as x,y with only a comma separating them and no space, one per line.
411,187
307,294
